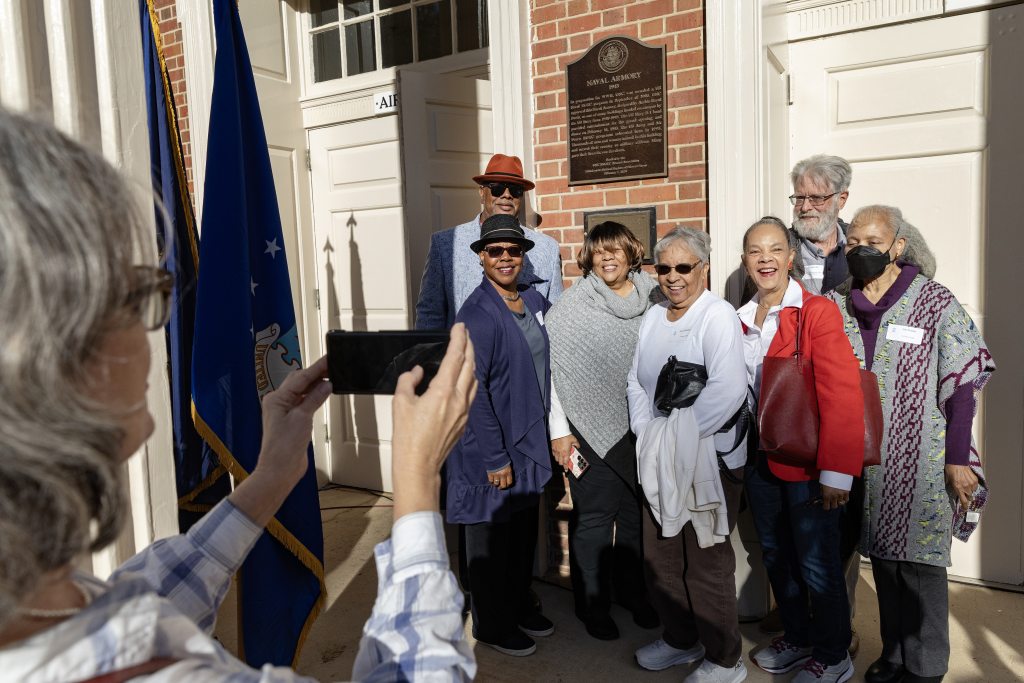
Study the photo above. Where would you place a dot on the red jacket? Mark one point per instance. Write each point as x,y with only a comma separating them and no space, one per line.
837,382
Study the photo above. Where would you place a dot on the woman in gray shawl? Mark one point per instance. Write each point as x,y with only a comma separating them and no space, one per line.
931,363
593,330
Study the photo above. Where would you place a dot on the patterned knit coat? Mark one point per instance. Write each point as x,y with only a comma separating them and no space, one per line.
908,511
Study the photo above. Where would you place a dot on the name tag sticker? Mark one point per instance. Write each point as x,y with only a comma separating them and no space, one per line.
902,333
540,317
814,271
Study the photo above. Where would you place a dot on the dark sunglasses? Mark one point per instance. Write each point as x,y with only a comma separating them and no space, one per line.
498,189
495,251
681,268
150,298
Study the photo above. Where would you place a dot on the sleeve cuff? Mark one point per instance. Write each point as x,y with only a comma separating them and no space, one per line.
836,480
417,542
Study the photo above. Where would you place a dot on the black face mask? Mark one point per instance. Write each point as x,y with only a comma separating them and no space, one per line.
866,263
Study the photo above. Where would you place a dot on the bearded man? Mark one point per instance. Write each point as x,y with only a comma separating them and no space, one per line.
821,186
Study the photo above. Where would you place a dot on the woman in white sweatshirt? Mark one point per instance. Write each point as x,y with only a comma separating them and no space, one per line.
691,572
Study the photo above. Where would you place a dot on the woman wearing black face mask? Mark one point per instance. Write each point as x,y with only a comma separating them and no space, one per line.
931,362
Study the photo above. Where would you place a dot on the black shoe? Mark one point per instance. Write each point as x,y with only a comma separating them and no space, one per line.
515,644
536,625
600,626
882,671
644,615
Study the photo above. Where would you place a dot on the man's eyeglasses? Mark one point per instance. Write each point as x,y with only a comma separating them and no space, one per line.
814,199
150,298
498,189
495,251
681,268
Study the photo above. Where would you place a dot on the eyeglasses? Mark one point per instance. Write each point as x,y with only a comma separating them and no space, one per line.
150,298
814,199
495,251
498,189
681,268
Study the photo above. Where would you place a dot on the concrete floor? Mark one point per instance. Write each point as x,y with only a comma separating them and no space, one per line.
986,626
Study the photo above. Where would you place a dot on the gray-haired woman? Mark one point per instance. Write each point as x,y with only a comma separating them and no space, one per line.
78,291
692,507
593,330
931,363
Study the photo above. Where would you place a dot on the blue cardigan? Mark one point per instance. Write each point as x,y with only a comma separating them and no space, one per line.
508,418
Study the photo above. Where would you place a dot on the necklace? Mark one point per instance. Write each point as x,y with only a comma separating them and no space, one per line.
762,305
58,613
510,297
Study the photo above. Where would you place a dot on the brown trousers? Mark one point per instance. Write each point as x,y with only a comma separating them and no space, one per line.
694,588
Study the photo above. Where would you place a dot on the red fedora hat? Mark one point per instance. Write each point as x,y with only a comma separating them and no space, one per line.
504,169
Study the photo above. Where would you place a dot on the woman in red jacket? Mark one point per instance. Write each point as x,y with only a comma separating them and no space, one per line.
797,509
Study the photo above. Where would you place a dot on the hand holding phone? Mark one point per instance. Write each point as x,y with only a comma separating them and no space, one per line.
578,465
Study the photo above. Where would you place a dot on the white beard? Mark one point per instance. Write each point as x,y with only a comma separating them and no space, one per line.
817,231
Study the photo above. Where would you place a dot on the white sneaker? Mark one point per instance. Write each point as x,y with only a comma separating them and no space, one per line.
712,673
781,656
816,672
660,655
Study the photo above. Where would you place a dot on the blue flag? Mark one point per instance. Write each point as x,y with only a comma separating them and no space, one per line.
200,479
245,345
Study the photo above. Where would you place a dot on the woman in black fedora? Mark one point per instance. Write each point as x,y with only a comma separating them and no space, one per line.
497,471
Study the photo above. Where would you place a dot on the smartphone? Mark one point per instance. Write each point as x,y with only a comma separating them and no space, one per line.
578,465
371,362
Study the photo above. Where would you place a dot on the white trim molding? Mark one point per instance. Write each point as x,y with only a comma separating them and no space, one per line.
814,18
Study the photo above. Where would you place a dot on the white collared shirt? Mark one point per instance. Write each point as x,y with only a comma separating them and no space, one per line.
757,341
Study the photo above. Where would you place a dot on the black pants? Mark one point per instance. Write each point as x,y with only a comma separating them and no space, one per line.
606,530
499,557
913,615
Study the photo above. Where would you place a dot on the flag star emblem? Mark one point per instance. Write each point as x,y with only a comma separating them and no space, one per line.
272,248
253,286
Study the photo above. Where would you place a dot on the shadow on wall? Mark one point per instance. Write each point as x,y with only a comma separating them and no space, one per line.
351,417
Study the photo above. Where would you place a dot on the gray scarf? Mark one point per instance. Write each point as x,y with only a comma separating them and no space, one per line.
593,334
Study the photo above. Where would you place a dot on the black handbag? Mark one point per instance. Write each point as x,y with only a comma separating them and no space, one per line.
679,384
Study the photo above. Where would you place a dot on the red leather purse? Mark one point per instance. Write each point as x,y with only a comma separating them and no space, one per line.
788,418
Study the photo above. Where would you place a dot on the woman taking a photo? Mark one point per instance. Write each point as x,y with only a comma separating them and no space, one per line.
797,510
593,330
931,362
691,575
498,470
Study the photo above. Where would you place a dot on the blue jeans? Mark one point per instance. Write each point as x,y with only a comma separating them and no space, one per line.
800,547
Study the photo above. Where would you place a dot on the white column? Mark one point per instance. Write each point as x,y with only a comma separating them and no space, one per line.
124,141
735,138
511,85
65,67
15,56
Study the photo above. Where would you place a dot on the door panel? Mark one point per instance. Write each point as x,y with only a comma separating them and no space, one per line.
924,113
447,139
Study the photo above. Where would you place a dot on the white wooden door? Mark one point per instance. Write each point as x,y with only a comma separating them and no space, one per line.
271,34
381,186
928,115
447,138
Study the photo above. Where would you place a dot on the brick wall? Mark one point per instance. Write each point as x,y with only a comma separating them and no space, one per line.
561,31
170,34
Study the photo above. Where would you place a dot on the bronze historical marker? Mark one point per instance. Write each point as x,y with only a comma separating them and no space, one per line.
617,120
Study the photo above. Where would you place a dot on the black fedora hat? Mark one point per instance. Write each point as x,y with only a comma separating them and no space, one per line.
501,227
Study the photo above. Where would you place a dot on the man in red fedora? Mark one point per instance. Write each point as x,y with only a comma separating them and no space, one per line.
453,271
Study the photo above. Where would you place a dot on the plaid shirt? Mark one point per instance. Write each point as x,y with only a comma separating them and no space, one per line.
163,603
